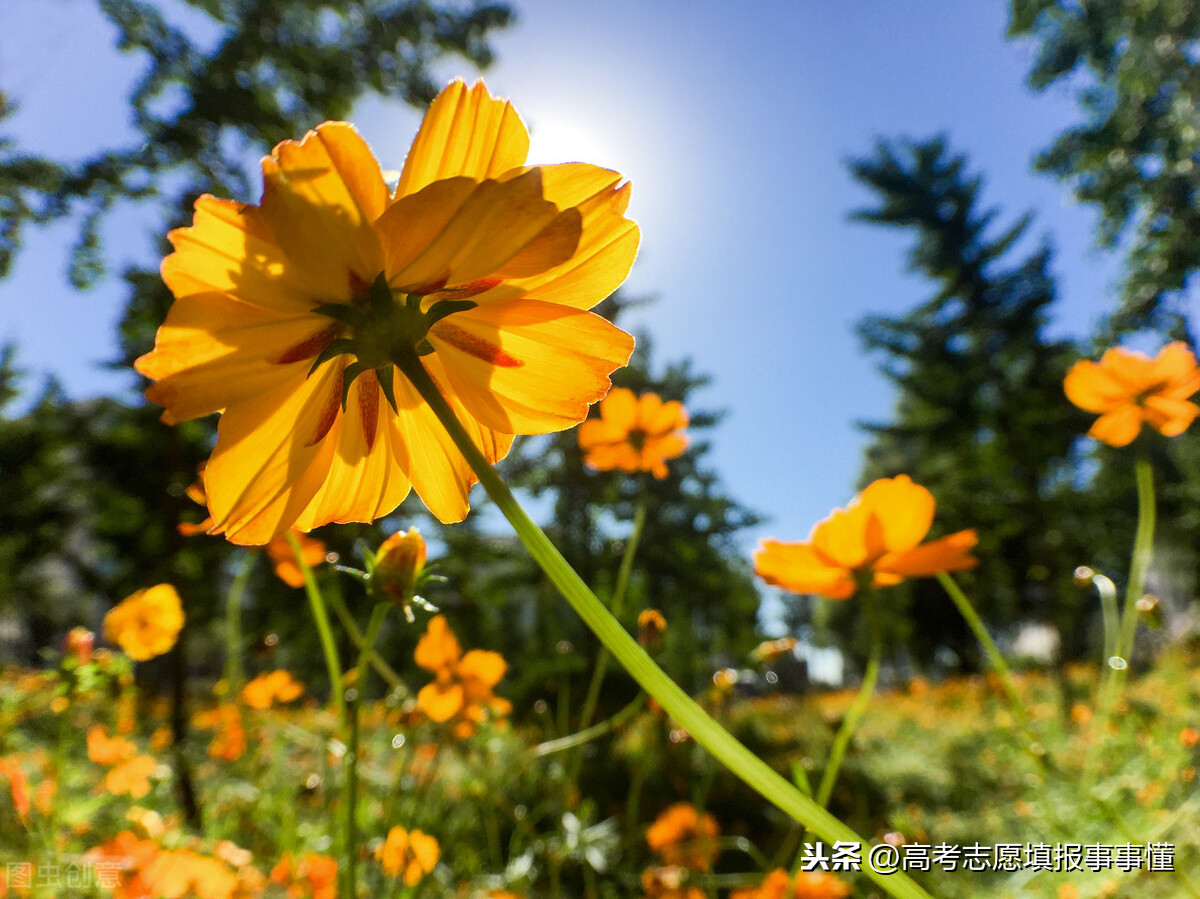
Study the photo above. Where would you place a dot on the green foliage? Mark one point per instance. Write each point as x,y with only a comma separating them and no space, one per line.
981,418
1136,154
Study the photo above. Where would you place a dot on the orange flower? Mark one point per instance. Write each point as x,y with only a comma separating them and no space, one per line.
462,690
634,433
128,855
770,650
313,876
283,557
288,316
18,786
229,742
411,853
131,777
803,885
1189,737
878,536
1128,388
106,750
651,627
267,689
147,623
669,882
682,836
279,549
181,872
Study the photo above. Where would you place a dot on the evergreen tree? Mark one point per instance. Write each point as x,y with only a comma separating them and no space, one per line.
981,418
1136,155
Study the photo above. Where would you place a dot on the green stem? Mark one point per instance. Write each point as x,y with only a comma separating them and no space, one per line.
382,668
378,614
1143,547
995,659
707,732
234,674
317,603
1118,663
596,730
618,604
850,722
1108,607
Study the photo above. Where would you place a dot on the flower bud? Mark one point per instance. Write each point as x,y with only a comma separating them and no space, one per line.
78,645
651,625
398,566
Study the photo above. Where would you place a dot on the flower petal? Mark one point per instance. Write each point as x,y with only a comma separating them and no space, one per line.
364,481
608,242
466,132
270,458
1119,427
901,511
1175,368
425,452
1170,416
438,648
440,702
527,367
320,197
1094,388
486,667
798,568
952,553
458,231
213,351
230,248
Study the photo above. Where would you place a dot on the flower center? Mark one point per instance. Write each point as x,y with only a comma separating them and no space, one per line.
382,328
637,438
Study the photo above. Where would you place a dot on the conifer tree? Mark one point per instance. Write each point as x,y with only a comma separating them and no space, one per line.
980,416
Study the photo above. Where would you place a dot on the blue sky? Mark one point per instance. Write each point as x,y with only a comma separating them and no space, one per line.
733,122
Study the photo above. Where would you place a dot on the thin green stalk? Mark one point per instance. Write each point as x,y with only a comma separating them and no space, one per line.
707,732
382,668
1108,608
1143,548
616,607
234,674
596,730
317,603
1118,663
378,614
850,722
995,659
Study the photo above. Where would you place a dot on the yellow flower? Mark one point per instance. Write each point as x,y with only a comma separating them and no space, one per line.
878,536
1128,388
462,690
267,689
106,750
398,565
634,433
651,626
288,317
147,623
684,837
410,853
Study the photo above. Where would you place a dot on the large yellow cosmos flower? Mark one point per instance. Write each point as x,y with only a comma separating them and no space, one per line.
288,315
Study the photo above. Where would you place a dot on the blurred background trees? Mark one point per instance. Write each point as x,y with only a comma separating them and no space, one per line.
91,492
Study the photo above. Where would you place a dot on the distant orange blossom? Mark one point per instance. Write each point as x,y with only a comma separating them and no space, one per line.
877,538
288,316
1128,388
634,433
